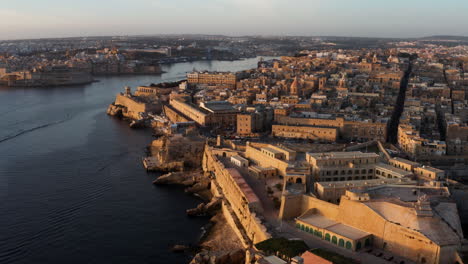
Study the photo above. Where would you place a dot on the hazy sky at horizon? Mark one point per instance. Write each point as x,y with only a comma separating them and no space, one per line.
367,18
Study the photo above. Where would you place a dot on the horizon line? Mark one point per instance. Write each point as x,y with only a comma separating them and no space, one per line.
234,36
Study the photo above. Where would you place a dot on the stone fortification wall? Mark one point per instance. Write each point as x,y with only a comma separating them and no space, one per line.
293,205
387,235
179,148
133,107
130,103
236,203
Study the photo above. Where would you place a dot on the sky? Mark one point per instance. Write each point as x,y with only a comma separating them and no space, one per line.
21,19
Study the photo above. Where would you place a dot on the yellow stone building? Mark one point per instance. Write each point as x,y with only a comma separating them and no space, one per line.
305,132
411,227
225,79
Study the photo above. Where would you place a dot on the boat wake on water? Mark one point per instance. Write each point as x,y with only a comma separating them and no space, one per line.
22,132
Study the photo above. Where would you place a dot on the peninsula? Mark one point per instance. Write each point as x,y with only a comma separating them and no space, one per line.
309,156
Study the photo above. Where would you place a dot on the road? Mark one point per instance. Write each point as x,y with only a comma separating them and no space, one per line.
392,130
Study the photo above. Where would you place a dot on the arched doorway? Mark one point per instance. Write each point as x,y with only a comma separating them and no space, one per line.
318,233
334,240
327,237
341,243
348,245
358,246
367,242
298,180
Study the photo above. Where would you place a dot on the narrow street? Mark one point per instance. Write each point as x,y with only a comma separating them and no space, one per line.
392,129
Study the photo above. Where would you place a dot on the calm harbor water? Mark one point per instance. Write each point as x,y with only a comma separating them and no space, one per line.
72,188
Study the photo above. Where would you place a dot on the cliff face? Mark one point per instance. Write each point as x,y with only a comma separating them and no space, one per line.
115,110
188,149
221,245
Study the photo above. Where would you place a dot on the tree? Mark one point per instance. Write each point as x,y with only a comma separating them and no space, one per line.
283,246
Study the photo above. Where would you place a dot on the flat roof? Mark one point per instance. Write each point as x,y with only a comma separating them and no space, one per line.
348,231
218,106
272,150
393,169
340,155
272,260
311,258
406,193
405,161
328,224
366,183
259,168
317,220
239,158
429,168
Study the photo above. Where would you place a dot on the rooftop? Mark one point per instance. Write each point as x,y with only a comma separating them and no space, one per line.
446,231
342,155
348,231
326,223
218,106
365,183
393,169
317,220
407,193
272,150
405,161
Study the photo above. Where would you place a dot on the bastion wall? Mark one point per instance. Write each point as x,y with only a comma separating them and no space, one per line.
236,203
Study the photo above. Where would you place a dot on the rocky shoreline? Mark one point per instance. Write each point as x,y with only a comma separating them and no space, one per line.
180,157
219,244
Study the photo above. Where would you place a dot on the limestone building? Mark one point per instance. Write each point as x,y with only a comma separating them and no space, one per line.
305,132
422,225
220,79
342,166
346,129
214,113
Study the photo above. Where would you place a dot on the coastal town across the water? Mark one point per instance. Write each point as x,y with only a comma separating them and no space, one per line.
357,155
